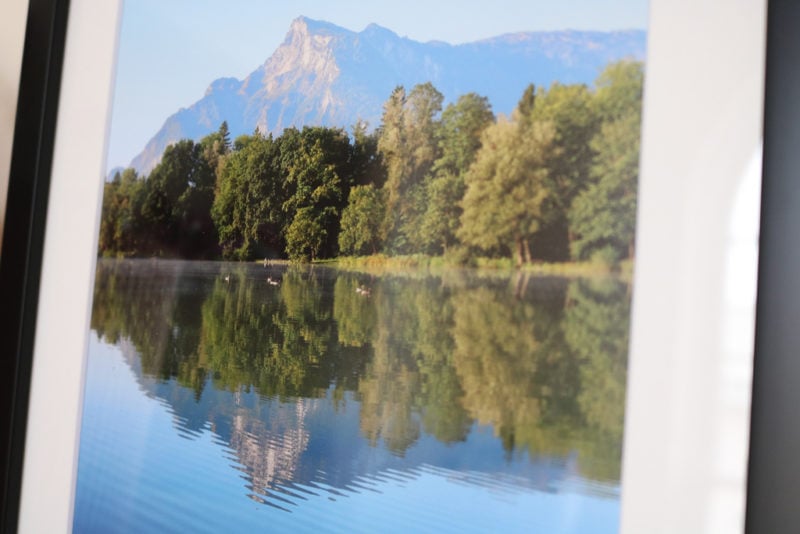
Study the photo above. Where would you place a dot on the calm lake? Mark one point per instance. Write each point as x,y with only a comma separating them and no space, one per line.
231,398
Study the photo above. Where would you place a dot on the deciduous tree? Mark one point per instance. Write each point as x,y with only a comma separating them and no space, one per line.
362,221
506,189
458,138
247,209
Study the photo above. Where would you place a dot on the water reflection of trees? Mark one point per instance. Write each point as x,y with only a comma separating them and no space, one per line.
596,327
158,309
273,338
540,361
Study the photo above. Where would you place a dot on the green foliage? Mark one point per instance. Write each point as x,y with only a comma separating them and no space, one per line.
177,201
556,181
121,215
248,207
168,212
506,189
527,102
442,217
305,235
568,108
459,138
619,90
422,108
459,133
361,221
216,146
603,216
408,146
317,171
366,161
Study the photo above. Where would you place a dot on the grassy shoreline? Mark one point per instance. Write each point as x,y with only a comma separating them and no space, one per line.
379,264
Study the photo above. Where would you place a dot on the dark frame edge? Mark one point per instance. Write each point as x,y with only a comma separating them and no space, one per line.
773,483
23,235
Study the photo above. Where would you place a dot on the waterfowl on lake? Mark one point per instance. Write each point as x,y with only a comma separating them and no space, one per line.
227,278
272,282
363,290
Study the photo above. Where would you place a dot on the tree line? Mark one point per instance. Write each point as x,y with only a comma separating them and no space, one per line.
555,181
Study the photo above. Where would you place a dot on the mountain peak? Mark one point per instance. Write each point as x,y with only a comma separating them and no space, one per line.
304,26
375,31
323,74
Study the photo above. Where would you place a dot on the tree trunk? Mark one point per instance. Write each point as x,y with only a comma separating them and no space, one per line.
520,252
527,246
570,239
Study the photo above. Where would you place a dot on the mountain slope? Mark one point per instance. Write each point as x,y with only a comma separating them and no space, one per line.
326,75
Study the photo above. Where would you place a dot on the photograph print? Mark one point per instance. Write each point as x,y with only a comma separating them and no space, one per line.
364,268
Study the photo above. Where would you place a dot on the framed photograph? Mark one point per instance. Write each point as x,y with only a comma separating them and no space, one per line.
354,268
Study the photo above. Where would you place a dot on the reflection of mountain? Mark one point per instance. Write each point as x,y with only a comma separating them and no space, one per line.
316,388
287,451
323,74
271,455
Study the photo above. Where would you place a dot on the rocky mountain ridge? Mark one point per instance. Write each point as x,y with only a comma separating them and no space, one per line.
323,74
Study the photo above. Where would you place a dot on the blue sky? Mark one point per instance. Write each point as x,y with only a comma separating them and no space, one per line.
171,50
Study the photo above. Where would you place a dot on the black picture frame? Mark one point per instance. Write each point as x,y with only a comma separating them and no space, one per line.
774,467
23,233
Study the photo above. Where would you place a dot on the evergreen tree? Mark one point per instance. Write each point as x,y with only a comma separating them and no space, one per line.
527,103
225,136
408,146
367,163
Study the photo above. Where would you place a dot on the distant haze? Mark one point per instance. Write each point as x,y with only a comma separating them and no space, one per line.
323,74
171,51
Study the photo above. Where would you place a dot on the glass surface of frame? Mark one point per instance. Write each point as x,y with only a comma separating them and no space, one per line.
181,421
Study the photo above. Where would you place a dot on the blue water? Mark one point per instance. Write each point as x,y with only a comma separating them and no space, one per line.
160,455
